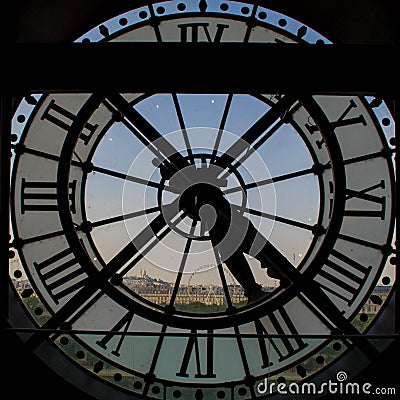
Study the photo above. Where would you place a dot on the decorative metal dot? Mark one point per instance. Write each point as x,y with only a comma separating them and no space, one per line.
301,371
376,299
242,391
27,293
224,7
375,102
17,274
181,7
281,379
11,254
64,340
385,121
386,280
86,40
156,389
282,22
319,359
336,346
364,317
98,366
14,137
137,385
262,15
143,14
245,11
199,395
393,260
221,394
80,354
38,310
117,377
30,100
160,10
21,118
320,41
177,394
392,141
123,21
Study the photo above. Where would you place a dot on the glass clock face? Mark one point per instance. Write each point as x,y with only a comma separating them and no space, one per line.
199,243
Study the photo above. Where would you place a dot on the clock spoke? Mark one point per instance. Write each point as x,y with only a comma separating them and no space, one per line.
19,242
21,149
221,271
250,137
239,269
125,177
123,217
183,127
221,127
182,265
287,221
146,132
268,181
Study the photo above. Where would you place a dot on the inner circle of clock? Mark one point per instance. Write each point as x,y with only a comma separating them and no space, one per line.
199,208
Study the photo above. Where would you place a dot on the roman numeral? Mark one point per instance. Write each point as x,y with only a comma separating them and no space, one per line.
365,195
345,276
284,347
122,325
42,196
60,275
194,346
195,28
64,118
342,120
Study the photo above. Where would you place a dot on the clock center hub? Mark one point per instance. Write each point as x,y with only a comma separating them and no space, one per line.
199,200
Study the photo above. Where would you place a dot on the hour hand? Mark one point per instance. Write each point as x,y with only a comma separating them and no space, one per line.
276,264
271,259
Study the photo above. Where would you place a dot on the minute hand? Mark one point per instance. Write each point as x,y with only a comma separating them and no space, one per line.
272,258
256,130
151,135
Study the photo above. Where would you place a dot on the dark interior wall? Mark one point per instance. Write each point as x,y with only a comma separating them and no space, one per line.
354,21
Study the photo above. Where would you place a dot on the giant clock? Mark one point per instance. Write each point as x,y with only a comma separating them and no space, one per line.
183,245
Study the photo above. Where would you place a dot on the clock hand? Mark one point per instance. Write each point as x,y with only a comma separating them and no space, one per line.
240,268
147,133
135,247
271,257
255,131
219,219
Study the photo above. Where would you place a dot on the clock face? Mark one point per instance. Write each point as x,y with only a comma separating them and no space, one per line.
198,244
